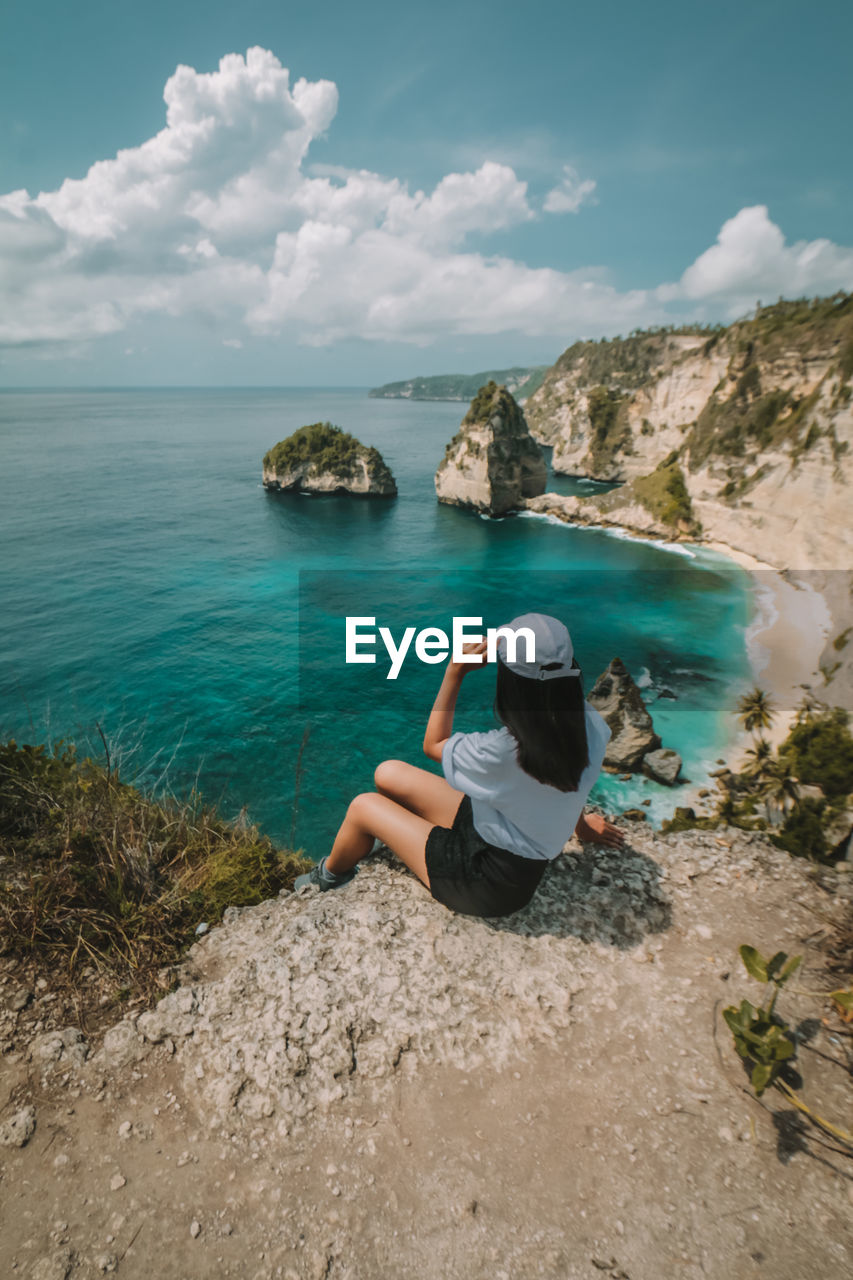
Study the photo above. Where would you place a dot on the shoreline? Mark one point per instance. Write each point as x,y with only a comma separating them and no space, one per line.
784,642
784,639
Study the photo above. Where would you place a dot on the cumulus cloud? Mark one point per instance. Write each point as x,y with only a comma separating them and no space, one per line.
571,193
221,217
751,261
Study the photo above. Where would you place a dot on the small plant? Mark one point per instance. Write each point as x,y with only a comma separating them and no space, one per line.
764,1040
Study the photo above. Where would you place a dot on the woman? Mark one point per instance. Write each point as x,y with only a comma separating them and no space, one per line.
481,837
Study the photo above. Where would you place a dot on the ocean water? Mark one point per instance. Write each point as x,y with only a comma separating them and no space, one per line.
150,585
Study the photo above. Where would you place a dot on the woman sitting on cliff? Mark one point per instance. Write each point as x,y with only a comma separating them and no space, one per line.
481,837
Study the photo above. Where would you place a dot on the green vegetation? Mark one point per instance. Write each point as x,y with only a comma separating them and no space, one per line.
664,493
755,711
92,870
626,363
756,416
820,751
609,421
463,386
328,449
483,403
817,752
802,832
765,1041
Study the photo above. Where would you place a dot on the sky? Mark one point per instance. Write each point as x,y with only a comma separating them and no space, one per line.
280,194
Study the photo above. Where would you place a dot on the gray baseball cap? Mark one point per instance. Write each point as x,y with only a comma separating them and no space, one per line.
551,648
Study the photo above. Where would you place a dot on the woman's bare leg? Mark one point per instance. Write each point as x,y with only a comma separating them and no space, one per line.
371,815
419,790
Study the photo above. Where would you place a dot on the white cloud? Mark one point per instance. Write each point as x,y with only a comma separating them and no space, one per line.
220,216
236,343
750,261
571,193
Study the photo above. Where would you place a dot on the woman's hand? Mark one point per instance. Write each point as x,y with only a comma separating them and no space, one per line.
459,669
595,829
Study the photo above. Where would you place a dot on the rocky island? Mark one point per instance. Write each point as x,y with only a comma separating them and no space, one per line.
493,462
322,458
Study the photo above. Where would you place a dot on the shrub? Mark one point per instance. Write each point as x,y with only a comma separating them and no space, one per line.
820,751
802,831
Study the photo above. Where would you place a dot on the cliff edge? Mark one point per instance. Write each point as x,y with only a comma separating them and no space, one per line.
361,1083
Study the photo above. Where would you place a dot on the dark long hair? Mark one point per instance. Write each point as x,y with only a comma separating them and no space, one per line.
547,718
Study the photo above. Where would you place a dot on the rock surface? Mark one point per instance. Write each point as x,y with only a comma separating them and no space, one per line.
555,1094
617,699
493,462
19,1128
347,981
323,459
760,416
663,765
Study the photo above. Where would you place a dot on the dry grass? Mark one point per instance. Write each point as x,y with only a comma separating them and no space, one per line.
95,873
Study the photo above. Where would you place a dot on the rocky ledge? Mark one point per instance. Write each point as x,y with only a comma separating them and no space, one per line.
322,458
493,463
362,1084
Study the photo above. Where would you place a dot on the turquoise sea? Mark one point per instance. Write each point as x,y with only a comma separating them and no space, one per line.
150,585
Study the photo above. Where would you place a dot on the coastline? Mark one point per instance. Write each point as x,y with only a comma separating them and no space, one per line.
785,639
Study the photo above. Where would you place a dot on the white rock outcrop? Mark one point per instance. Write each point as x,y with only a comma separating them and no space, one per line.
492,463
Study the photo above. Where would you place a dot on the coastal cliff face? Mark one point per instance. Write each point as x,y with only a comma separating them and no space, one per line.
742,435
493,462
323,459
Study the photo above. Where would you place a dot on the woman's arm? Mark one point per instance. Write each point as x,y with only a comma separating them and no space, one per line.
594,829
440,723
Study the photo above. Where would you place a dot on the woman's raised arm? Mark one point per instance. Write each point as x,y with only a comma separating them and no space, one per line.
440,723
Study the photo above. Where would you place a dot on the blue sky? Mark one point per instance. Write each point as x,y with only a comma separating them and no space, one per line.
464,186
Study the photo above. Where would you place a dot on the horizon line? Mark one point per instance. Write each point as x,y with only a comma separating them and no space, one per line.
191,386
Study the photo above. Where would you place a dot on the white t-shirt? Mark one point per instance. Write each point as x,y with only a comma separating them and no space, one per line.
510,809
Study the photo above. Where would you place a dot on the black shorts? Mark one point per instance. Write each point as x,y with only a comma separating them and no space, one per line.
469,875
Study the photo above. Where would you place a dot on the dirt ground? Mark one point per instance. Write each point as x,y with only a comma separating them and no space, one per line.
620,1140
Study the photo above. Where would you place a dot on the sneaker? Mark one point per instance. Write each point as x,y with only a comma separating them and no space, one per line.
323,878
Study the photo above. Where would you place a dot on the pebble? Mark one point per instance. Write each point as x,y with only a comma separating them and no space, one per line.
117,1181
19,1128
195,1228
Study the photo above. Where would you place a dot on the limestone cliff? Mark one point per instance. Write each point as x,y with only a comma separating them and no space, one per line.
324,459
493,462
742,433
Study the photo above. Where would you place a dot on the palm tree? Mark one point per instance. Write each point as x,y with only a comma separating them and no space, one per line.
755,710
758,759
780,787
809,707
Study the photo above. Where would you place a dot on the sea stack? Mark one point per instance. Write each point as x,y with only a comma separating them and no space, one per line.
634,745
324,459
492,462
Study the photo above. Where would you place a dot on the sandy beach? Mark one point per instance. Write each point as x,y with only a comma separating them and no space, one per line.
785,641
